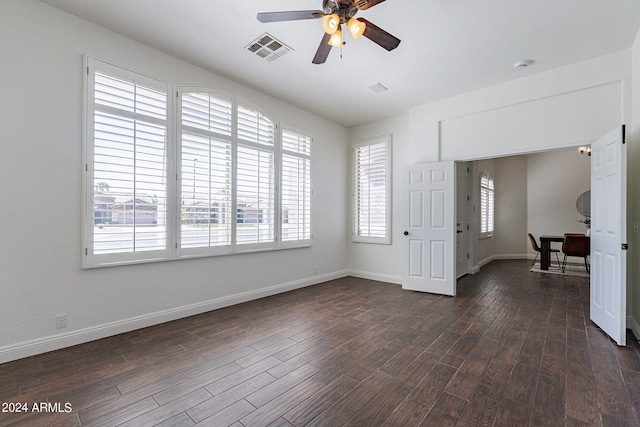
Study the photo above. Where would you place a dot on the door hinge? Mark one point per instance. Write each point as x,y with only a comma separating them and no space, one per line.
623,134
467,256
467,228
86,251
625,246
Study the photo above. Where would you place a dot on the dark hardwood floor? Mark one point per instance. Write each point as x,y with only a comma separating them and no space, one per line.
514,348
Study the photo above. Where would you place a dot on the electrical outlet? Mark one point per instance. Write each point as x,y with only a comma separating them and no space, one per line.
61,321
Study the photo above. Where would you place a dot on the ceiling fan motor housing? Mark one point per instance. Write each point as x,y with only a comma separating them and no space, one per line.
344,9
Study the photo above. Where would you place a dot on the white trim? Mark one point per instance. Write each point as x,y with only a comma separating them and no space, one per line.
511,256
486,261
397,280
58,341
634,326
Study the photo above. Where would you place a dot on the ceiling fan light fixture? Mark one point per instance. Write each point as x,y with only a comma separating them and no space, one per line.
336,38
356,28
330,23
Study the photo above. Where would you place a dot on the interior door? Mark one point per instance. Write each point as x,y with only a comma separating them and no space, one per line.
462,219
430,228
608,234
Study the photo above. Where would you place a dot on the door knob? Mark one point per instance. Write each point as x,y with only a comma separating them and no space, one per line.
406,233
458,231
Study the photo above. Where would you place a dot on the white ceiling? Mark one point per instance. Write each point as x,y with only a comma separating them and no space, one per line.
448,47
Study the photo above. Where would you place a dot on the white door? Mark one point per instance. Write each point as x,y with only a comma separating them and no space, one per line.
608,234
462,219
430,229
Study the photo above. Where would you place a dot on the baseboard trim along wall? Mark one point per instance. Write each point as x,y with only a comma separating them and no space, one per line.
376,276
68,339
634,326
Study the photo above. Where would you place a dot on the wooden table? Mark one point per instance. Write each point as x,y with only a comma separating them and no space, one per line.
545,246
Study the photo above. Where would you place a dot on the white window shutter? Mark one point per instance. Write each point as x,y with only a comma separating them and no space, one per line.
372,191
295,187
128,146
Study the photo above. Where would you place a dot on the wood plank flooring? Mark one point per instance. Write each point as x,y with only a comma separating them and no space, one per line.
514,348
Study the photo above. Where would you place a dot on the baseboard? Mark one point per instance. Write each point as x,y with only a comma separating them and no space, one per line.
376,276
486,261
634,326
511,256
58,341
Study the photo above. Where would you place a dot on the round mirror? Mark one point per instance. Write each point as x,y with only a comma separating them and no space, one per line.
584,203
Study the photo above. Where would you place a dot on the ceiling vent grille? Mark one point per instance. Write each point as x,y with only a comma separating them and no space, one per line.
268,47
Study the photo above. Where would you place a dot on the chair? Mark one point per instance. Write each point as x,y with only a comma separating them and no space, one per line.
578,246
536,248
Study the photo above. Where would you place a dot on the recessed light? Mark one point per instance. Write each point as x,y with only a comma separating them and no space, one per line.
522,64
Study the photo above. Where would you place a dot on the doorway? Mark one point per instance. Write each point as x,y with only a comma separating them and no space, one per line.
535,193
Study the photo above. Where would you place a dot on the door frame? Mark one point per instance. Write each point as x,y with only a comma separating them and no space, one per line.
469,219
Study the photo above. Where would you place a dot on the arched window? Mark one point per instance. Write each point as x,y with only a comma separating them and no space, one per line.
487,204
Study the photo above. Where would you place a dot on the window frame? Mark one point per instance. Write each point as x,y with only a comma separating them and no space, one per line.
487,225
357,235
172,250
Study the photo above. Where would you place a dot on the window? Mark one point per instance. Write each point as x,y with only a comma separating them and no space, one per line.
371,193
127,166
229,181
206,172
296,186
487,204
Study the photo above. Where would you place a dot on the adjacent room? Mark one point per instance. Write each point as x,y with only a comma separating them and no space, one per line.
316,212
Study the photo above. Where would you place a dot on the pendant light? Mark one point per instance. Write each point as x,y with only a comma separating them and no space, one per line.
336,38
356,28
331,23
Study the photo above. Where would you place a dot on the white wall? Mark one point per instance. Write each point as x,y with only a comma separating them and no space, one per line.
633,216
373,261
512,209
41,51
565,107
555,179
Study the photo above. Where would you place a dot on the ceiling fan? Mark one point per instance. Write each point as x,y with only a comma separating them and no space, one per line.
335,14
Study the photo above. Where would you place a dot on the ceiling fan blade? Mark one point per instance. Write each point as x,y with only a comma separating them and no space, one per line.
379,36
323,50
366,4
292,15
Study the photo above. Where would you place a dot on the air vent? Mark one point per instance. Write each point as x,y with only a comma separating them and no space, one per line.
268,47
